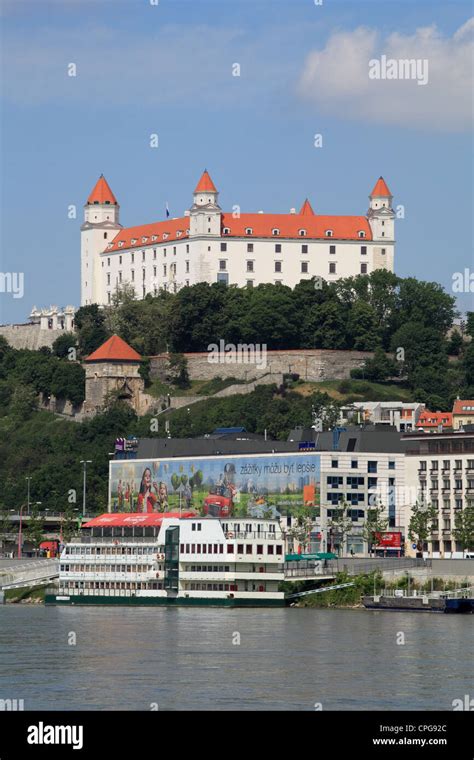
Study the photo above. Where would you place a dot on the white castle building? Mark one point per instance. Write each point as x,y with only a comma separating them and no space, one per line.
209,245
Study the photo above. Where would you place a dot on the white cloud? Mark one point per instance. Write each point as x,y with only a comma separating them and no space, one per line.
336,78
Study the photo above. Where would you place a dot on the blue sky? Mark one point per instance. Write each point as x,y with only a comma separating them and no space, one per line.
167,69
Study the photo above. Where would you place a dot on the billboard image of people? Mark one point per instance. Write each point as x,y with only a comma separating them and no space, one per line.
268,485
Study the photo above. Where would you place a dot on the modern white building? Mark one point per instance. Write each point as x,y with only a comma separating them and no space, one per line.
440,471
399,414
207,244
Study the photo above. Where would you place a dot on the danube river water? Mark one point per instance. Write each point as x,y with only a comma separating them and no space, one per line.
80,658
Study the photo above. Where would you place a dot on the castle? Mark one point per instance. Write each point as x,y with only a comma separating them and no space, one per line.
209,245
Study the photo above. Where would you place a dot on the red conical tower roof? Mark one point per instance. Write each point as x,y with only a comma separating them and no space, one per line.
381,189
114,350
306,209
102,193
205,184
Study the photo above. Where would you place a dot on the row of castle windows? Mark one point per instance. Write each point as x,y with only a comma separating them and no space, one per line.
223,248
301,233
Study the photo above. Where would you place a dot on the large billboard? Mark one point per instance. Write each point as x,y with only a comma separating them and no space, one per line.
267,485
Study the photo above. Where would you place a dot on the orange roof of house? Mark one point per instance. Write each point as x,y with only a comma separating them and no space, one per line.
150,234
114,350
306,209
205,184
463,406
433,419
262,226
102,192
289,226
381,189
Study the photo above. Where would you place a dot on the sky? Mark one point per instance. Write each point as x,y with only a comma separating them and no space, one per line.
146,67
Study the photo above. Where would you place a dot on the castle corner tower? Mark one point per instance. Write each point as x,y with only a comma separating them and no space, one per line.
101,224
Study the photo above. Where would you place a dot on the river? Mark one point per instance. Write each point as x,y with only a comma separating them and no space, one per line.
80,658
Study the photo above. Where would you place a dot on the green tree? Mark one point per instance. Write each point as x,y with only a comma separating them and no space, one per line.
363,327
177,371
23,402
68,382
34,530
421,522
340,525
63,344
375,522
463,531
92,332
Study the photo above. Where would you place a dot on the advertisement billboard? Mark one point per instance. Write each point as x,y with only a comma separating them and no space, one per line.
267,485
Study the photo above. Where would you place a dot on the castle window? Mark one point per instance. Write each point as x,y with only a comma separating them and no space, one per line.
249,247
133,257
329,233
304,249
301,233
133,241
144,239
222,265
383,250
108,279
154,237
105,236
250,283
223,246
132,273
362,233
143,255
165,235
164,270
187,248
208,219
154,254
363,268
120,276
108,262
187,266
383,234
120,259
304,267
248,231
277,247
121,243
277,266
154,271
187,283
383,224
249,266
108,297
178,233
226,231
174,250
332,249
332,268
275,231
143,274
363,250
164,253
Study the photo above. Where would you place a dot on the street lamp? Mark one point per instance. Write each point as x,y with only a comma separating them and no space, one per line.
20,537
28,478
84,462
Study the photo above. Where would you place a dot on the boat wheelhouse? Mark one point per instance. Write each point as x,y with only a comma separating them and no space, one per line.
168,558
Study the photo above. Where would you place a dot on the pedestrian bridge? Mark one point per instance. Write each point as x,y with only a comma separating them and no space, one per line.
307,570
24,574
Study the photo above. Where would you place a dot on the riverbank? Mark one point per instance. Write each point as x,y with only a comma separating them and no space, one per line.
24,596
366,585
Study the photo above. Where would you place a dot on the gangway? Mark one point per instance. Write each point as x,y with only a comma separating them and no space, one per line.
335,587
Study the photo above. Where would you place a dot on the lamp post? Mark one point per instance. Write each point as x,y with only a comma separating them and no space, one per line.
84,462
28,479
20,536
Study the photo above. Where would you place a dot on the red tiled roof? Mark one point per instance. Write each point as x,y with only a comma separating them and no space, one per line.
162,231
114,350
289,226
205,184
381,189
111,520
433,419
102,192
460,406
306,209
